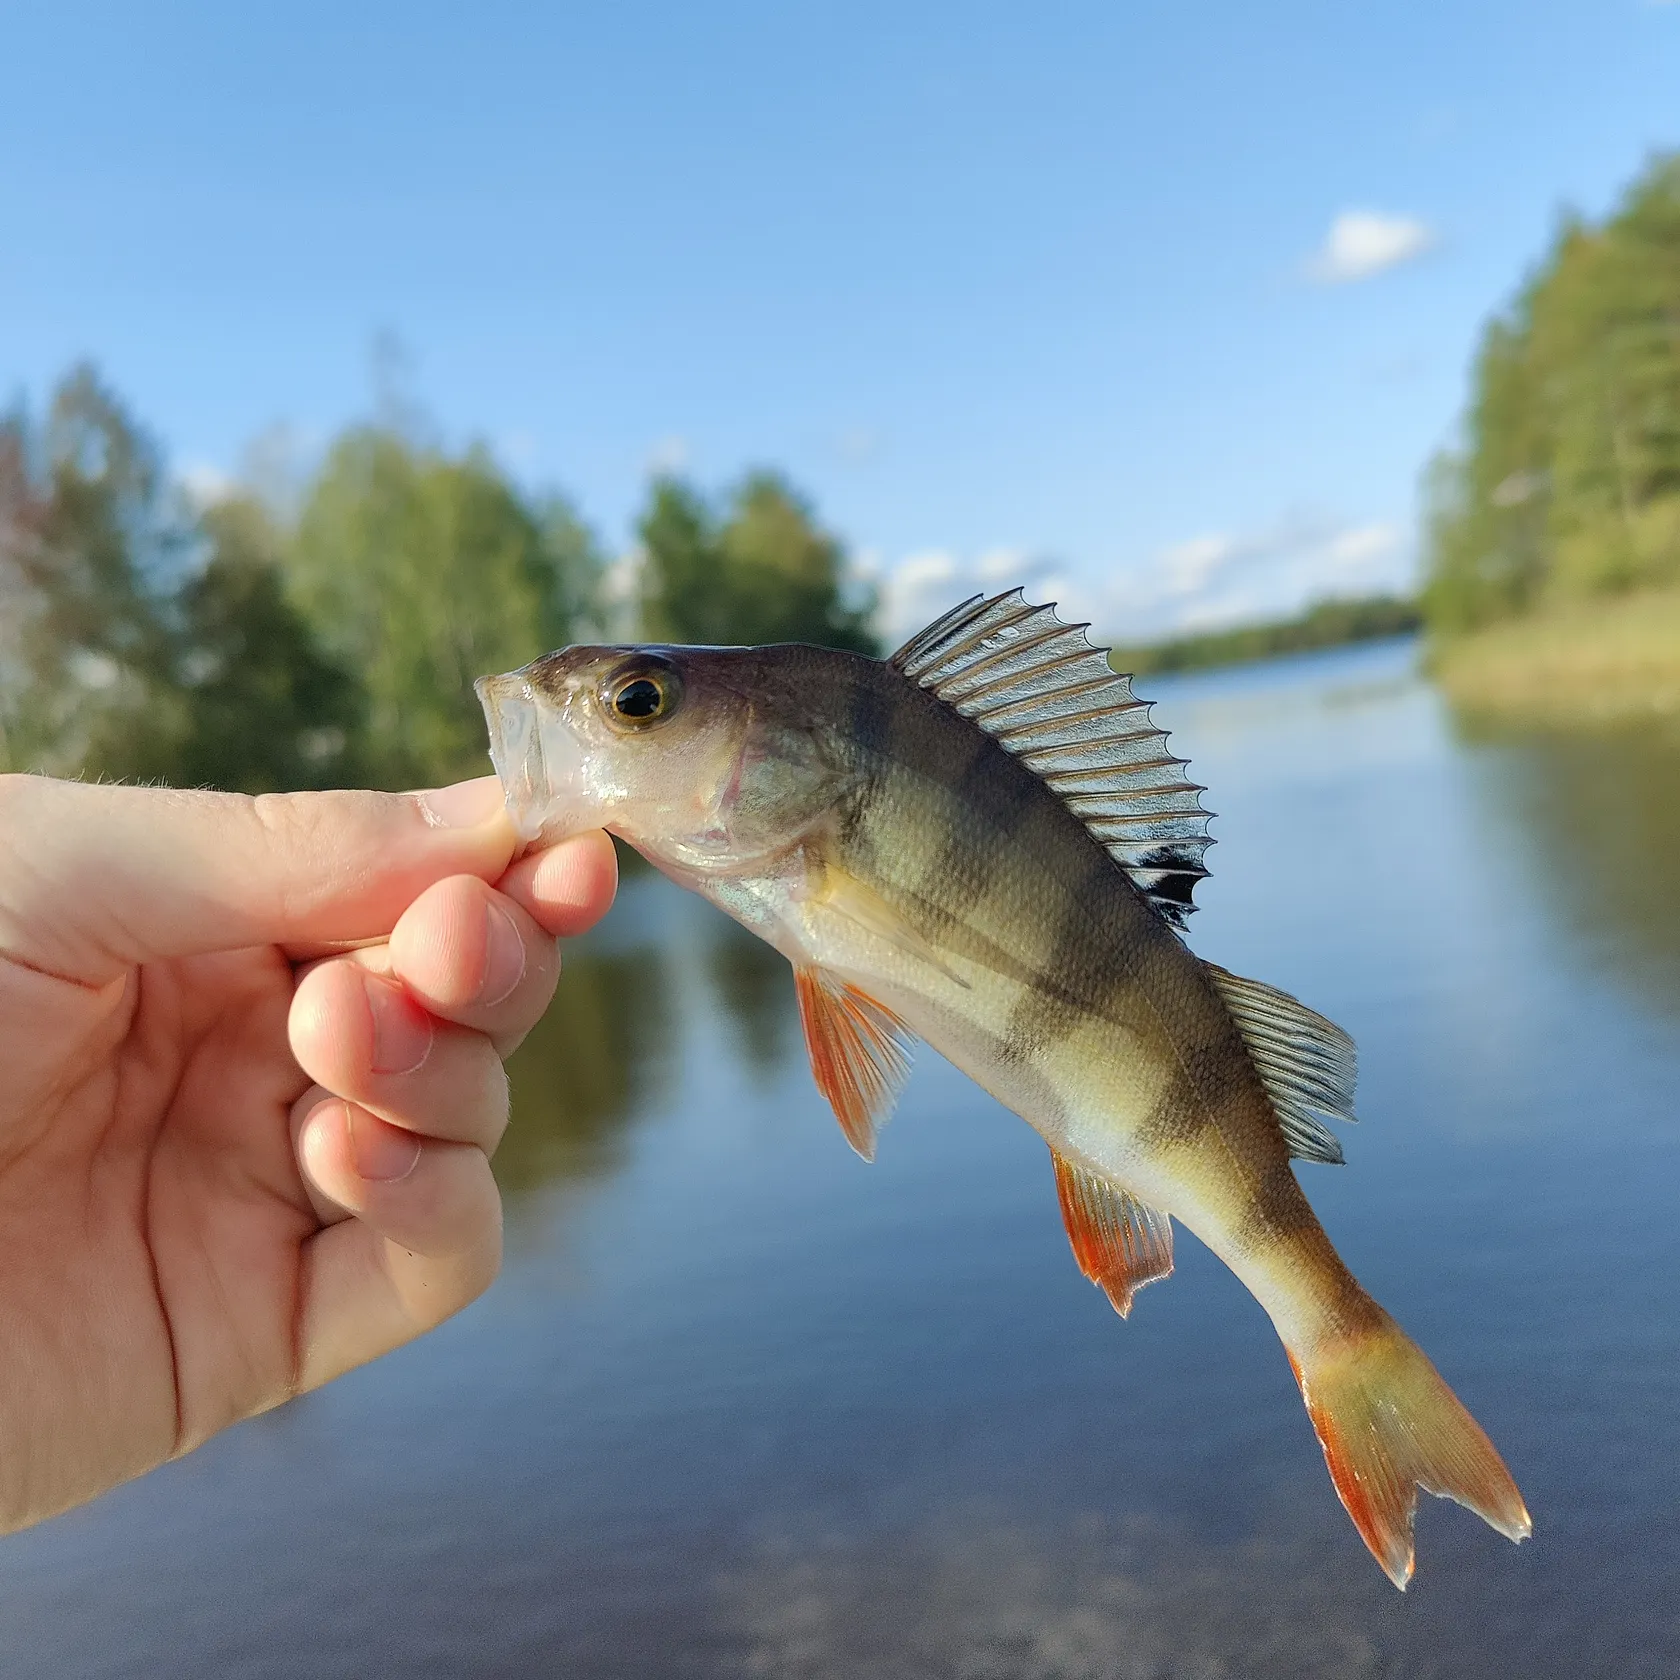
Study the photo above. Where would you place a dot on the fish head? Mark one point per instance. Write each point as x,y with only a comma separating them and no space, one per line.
695,756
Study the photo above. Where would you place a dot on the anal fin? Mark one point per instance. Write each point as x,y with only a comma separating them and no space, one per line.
860,1053
1120,1243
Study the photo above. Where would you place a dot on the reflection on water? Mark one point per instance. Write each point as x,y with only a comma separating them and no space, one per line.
755,986
603,1054
1594,820
788,1415
597,1058
981,1594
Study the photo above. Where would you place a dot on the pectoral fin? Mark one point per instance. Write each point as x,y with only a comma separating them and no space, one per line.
849,897
1120,1243
860,1053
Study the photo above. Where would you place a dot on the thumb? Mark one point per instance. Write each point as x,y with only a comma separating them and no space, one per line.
94,879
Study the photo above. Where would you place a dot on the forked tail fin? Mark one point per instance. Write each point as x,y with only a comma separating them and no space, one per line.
1389,1425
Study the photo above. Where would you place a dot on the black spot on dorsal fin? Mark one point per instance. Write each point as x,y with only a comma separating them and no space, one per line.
1040,689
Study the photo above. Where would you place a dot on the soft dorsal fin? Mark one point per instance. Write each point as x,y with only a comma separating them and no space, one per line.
1307,1064
860,1053
1120,1243
1040,689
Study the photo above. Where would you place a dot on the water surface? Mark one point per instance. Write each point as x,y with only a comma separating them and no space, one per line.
741,1405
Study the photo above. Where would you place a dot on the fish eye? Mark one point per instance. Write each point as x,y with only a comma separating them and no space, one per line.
638,698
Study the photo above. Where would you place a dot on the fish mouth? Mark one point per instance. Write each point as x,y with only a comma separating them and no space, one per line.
516,749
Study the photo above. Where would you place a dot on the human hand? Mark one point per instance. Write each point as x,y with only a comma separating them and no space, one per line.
236,1157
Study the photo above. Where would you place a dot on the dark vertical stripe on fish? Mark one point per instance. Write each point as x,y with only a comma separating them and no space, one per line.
1184,1110
959,872
870,717
1067,989
1277,1212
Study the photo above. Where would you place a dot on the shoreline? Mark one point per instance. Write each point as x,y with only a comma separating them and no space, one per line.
1581,666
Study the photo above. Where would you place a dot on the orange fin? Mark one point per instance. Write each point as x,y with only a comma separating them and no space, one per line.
1120,1243
1389,1425
860,1053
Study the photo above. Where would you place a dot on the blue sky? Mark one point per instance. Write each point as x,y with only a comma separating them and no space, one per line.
1161,305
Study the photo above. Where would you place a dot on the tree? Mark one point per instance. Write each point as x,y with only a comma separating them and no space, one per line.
420,573
1569,479
264,708
92,539
764,571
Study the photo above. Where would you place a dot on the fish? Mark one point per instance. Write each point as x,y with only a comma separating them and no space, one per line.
983,843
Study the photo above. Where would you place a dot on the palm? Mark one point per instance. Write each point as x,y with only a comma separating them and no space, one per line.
223,1182
167,1170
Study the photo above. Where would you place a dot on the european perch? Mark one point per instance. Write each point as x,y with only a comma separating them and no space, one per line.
984,842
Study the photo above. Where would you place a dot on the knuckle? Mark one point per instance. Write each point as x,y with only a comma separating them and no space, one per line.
320,846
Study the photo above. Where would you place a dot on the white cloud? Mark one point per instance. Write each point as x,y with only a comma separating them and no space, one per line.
1187,567
858,446
669,455
518,448
1000,567
205,484
1222,578
1360,549
1361,243
917,589
1208,581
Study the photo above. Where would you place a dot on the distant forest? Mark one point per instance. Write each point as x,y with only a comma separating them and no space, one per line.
1325,624
330,637
1567,483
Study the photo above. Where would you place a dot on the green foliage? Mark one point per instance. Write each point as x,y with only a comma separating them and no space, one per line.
1568,484
264,708
762,571
1326,624
235,649
90,538
421,573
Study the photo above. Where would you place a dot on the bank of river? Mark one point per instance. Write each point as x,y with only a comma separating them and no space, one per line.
1579,664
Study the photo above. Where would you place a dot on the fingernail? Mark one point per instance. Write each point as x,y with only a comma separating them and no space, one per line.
463,804
402,1030
380,1152
504,956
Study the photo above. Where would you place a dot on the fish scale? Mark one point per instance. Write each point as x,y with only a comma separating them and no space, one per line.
984,843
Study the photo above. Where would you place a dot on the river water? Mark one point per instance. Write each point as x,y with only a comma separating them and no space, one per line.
742,1405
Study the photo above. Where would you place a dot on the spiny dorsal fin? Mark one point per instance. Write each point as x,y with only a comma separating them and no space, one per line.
1040,689
1120,1243
860,1053
1307,1064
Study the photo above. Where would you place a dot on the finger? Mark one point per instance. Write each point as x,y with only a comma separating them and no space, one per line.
316,1097
471,956
94,878
312,950
434,1199
361,1036
566,888
422,1246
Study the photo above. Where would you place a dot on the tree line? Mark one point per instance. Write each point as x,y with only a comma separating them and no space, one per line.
1567,484
245,645
1334,622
